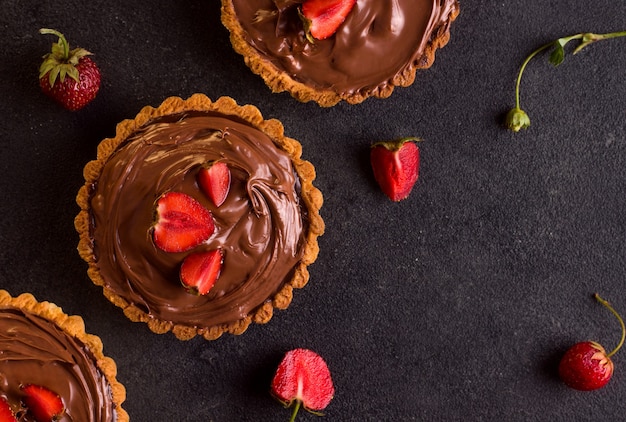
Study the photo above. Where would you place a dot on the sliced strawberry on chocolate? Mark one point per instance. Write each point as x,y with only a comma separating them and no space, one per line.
44,404
6,413
303,379
200,270
322,18
214,179
182,223
396,166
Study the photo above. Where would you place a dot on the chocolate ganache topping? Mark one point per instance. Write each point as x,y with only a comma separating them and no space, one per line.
379,45
34,350
260,227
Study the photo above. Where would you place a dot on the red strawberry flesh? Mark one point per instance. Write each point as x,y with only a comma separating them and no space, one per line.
44,404
200,270
396,166
182,223
6,413
304,377
323,17
214,179
586,366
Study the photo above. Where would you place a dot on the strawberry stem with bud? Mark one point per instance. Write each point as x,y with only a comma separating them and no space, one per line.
516,118
607,305
61,61
65,46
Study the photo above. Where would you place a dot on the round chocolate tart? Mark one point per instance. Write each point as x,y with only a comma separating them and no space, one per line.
260,239
379,46
42,346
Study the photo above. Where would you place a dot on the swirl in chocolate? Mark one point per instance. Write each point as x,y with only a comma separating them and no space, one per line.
260,227
36,351
379,40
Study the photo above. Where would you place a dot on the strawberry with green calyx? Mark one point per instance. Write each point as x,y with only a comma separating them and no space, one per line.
396,166
322,18
70,77
303,379
6,413
517,119
586,365
44,404
214,179
200,270
182,223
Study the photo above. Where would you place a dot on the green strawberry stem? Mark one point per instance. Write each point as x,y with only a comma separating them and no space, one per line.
619,318
295,410
517,118
62,41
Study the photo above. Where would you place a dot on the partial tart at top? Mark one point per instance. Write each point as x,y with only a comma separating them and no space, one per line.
226,262
44,348
379,46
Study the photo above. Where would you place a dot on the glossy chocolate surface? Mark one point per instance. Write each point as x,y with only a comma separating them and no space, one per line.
34,350
378,41
260,227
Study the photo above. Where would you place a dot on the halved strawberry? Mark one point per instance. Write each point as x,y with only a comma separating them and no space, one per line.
182,223
396,166
200,270
214,179
322,18
304,378
6,413
44,404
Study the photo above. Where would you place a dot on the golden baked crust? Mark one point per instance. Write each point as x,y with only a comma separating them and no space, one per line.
74,326
311,196
279,81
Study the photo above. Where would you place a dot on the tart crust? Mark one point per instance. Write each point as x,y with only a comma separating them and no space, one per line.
73,326
311,196
278,80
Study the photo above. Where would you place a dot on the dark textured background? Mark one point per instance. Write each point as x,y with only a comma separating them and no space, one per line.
455,304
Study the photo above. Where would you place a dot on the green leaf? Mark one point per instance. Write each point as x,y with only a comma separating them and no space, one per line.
558,54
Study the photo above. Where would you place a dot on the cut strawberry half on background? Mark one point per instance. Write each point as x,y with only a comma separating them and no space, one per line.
214,179
396,166
303,378
6,413
200,270
322,18
44,404
182,223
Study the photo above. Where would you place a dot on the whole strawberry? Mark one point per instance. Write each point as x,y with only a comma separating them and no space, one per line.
396,166
68,76
303,379
586,365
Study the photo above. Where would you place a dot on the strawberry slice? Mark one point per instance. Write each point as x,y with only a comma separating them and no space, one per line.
182,223
200,270
322,18
214,179
44,404
303,377
6,413
396,166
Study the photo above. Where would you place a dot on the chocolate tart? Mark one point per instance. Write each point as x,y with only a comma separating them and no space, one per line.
41,345
379,46
267,228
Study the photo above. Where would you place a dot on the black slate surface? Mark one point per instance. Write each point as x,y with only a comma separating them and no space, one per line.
455,304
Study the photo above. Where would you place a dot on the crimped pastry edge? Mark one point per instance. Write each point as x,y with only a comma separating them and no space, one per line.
279,81
74,326
311,196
